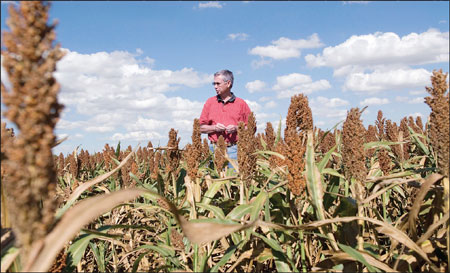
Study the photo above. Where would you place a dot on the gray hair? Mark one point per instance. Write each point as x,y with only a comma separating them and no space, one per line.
227,75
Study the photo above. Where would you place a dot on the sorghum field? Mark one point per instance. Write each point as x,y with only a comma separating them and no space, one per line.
298,199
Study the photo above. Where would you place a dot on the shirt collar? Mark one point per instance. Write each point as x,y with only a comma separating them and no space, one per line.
232,99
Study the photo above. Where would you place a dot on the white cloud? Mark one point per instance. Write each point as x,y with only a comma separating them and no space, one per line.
328,108
386,79
386,48
136,136
210,4
260,63
255,86
270,104
99,129
374,101
118,96
238,36
285,48
333,102
416,100
417,92
297,83
263,99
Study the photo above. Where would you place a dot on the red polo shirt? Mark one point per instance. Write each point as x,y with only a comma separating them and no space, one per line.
232,112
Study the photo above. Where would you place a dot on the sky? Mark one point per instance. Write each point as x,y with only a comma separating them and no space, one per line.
135,69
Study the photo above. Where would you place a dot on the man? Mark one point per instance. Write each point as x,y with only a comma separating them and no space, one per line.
222,113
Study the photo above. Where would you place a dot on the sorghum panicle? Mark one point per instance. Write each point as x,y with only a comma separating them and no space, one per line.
154,166
371,136
173,153
392,134
295,152
29,59
270,137
299,114
380,122
205,150
385,161
246,149
219,154
405,131
61,164
353,155
439,119
298,122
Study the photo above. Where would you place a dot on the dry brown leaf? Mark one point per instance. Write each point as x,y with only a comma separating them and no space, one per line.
412,220
343,256
71,223
200,233
432,228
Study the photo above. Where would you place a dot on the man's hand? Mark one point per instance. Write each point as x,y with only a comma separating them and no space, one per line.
220,127
231,129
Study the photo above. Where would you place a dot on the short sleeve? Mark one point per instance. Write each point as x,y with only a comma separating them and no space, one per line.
204,117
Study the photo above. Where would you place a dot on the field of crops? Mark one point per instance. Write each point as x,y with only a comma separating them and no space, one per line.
298,199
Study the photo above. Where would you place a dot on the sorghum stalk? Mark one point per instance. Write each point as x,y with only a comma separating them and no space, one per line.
30,59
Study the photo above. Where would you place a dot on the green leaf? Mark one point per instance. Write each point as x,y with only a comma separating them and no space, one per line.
79,245
99,255
239,211
325,159
138,260
77,249
215,187
117,152
228,253
314,179
355,254
270,153
257,205
165,251
216,210
115,160
135,178
281,260
415,137
347,207
332,172
263,143
382,144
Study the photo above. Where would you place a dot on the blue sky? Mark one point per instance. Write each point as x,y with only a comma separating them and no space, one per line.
133,70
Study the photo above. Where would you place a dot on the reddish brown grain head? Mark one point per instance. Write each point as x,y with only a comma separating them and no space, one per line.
298,122
246,148
29,58
439,119
353,155
219,154
380,122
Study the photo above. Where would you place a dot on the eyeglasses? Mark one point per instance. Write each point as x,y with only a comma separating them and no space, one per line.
217,83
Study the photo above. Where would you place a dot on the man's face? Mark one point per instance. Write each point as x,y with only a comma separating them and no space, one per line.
220,86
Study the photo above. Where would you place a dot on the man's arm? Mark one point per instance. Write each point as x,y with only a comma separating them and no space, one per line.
207,129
